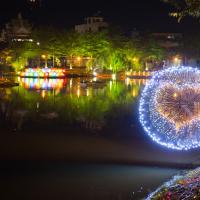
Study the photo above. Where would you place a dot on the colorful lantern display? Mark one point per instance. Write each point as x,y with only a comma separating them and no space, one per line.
43,73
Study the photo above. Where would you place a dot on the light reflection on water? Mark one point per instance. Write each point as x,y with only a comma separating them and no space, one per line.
68,100
73,85
57,102
101,182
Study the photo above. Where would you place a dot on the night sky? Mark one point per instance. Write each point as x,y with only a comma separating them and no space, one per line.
144,15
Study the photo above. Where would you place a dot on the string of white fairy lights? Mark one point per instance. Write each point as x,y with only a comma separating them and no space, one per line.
169,108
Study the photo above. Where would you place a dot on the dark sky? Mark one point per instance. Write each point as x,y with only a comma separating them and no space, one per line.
149,15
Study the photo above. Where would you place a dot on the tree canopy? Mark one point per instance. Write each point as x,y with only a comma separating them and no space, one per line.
106,49
185,8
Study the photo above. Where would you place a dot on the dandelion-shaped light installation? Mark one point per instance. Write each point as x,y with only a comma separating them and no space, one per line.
170,108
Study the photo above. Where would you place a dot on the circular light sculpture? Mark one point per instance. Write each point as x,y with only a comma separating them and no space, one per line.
169,108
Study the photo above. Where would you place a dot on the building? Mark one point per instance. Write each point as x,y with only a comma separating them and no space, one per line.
3,36
34,3
172,43
168,40
92,24
16,30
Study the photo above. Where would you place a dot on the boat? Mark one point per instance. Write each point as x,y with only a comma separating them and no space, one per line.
7,83
97,83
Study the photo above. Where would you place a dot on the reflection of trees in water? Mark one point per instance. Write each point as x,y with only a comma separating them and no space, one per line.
87,111
10,114
5,104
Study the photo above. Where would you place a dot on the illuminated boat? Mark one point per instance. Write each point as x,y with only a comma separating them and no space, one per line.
43,73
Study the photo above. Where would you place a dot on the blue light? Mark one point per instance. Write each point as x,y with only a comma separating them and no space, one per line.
160,127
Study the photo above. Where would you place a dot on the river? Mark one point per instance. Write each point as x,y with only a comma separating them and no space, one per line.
64,139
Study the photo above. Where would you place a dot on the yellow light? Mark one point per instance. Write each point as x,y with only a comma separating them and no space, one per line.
70,83
134,92
135,59
78,92
43,56
113,76
175,95
110,85
43,94
88,92
176,59
8,58
127,81
78,58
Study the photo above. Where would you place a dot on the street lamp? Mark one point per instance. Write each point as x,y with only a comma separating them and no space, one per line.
79,60
45,58
135,59
177,60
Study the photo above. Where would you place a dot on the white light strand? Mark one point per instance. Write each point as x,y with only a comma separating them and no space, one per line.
162,112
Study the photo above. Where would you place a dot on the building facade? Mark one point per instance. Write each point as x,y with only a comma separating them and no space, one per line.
92,24
168,40
18,30
34,3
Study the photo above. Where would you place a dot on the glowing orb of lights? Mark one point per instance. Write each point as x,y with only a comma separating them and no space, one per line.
169,108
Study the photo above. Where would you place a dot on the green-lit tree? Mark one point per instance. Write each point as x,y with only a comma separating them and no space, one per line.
51,42
21,52
107,50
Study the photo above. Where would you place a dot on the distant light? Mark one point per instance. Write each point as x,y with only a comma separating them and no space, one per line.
43,56
78,92
176,59
175,95
113,76
94,73
135,59
43,94
78,58
38,43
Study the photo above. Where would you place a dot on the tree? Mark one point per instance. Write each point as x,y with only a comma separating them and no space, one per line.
185,8
21,52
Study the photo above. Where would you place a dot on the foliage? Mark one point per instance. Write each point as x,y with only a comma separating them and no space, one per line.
106,50
21,52
185,8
